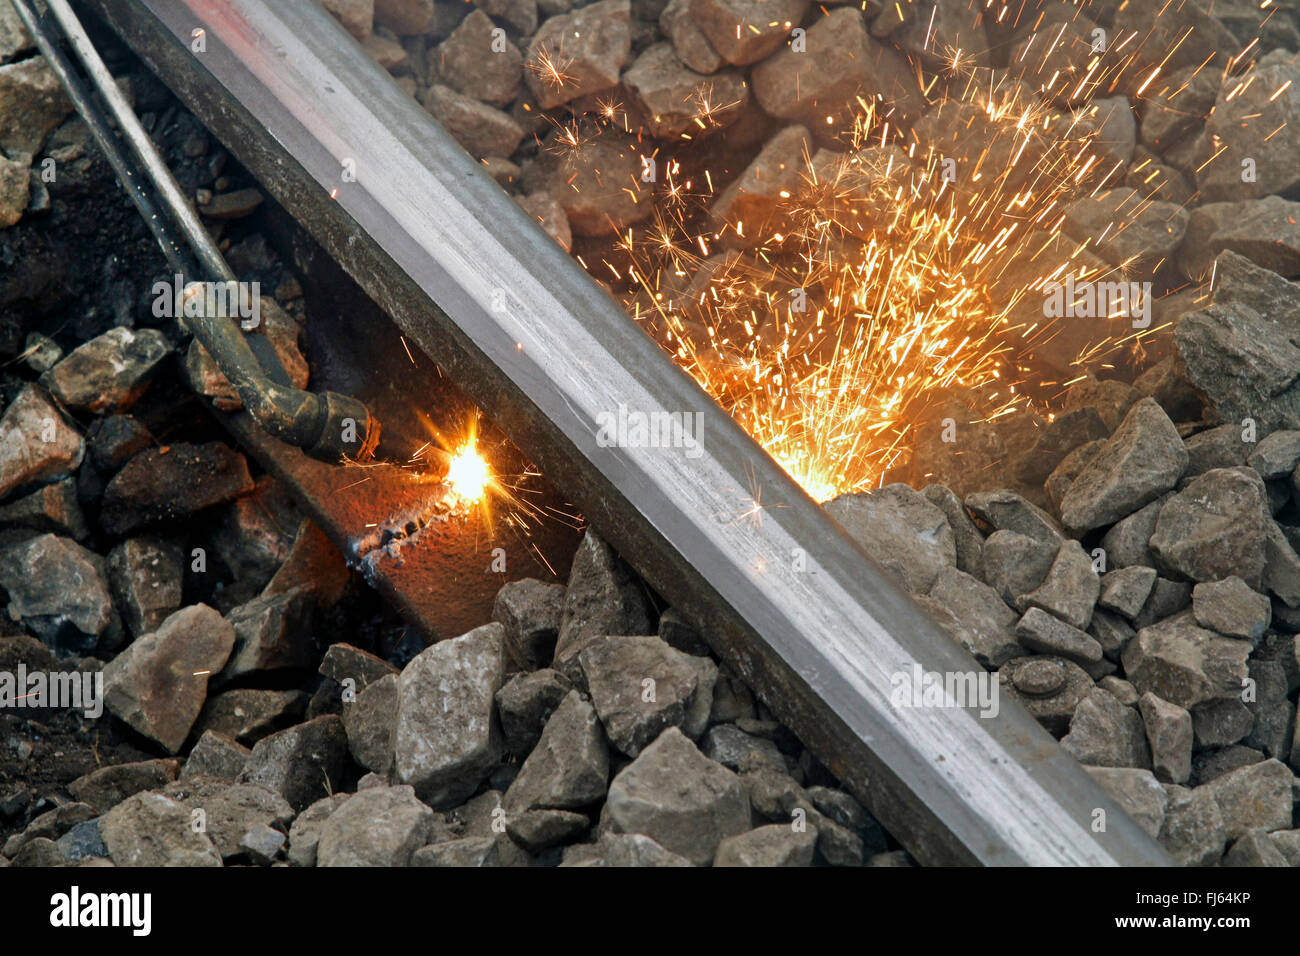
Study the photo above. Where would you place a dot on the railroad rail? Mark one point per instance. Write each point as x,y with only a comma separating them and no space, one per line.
476,286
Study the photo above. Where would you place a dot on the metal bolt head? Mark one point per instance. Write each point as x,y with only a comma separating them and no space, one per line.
1039,678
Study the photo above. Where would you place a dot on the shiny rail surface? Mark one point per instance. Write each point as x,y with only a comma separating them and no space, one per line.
478,286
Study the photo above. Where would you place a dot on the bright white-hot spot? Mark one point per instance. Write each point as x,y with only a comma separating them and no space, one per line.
469,473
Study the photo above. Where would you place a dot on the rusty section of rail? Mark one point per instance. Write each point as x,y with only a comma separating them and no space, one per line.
441,570
471,281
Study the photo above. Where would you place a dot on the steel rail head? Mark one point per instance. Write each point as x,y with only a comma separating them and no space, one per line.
777,587
327,426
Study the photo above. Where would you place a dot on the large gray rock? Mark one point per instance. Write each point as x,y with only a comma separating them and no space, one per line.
465,852
539,830
1243,361
57,588
1070,589
1169,734
15,188
52,508
1125,590
1166,599
678,797
1172,112
530,611
1256,796
1219,447
1007,511
746,31
1281,565
381,826
262,844
1255,121
1254,848
840,63
1141,461
1232,608
172,483
471,63
216,755
447,737
1055,441
524,704
688,40
1214,528
145,575
1016,564
1105,733
758,197
1288,844
639,686
343,662
1112,632
603,598
1211,764
32,103
1041,632
1219,723
230,810
671,95
1137,792
1193,832
578,53
903,531
14,38
1277,455
1273,723
1203,34
356,16
272,633
36,442
370,722
108,373
736,750
623,850
1151,230
304,835
405,17
481,129
968,539
108,786
569,767
150,829
1127,543
1185,664
612,196
302,763
977,617
248,714
159,683
773,845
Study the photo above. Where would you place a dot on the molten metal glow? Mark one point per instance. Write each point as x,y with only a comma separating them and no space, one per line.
469,473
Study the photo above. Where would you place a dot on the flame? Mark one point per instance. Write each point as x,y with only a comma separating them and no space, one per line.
469,474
